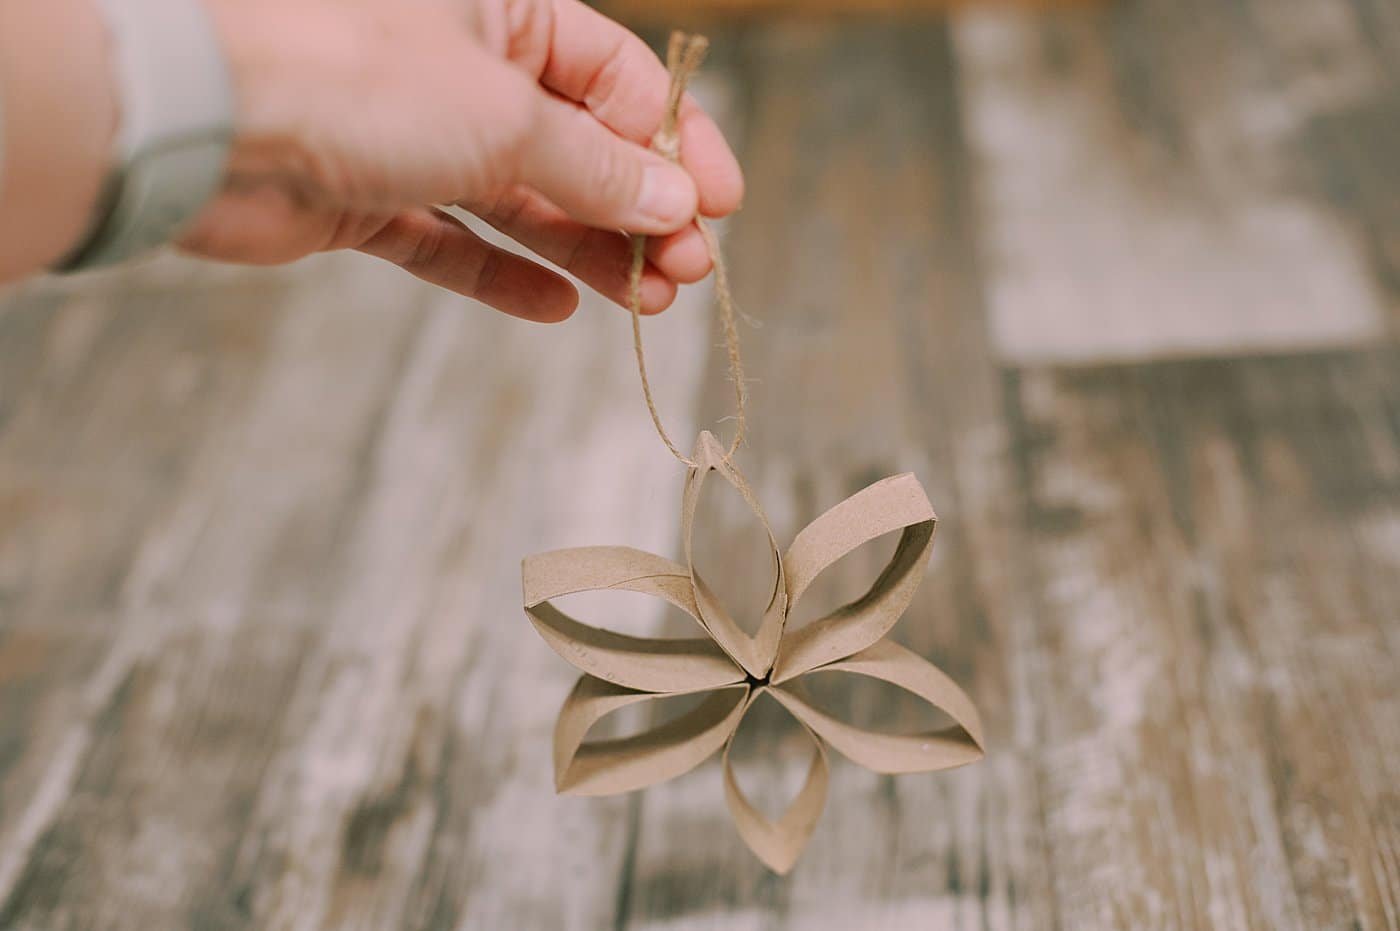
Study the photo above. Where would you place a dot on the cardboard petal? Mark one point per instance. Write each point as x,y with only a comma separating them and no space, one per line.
895,503
756,653
599,568
897,753
647,663
779,843
609,767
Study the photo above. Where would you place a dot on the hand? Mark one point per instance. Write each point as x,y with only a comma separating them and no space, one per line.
357,117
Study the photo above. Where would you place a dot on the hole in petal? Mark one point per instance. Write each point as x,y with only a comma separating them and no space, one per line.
608,578
897,503
643,716
771,755
844,581
870,704
631,613
732,551
638,749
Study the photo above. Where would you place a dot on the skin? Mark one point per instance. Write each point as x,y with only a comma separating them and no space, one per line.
358,119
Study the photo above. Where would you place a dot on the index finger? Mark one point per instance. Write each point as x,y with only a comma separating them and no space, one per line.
601,65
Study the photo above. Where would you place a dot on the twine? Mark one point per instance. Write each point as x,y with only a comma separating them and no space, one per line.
683,57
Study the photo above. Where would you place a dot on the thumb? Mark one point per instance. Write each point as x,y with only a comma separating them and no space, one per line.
601,179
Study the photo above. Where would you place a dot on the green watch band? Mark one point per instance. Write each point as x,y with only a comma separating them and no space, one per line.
177,113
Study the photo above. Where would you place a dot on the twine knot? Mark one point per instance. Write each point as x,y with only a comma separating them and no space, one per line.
684,55
667,145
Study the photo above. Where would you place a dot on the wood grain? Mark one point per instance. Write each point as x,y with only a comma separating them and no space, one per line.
1220,723
1158,199
264,714
262,658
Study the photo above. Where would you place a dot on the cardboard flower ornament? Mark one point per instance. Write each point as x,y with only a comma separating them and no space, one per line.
724,664
734,668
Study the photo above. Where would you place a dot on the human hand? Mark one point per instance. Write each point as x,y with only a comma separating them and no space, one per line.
357,117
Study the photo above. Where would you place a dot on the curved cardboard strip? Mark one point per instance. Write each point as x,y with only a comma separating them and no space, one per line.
756,653
625,764
599,568
650,664
779,843
646,663
897,753
891,504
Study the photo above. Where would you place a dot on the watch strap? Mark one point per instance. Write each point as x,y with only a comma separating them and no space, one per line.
176,125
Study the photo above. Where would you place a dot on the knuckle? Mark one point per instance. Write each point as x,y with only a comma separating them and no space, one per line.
426,248
528,24
506,208
624,92
576,254
606,81
487,272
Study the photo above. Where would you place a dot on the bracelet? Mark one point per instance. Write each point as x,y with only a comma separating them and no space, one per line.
177,113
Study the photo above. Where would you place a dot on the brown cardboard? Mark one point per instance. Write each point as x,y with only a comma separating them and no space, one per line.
650,665
735,669
779,843
755,654
608,767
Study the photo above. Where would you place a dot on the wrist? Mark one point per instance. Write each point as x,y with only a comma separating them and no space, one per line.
60,124
171,151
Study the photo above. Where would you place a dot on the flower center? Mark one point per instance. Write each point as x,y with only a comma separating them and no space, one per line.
757,681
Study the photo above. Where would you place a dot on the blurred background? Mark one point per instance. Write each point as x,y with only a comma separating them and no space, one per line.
1119,281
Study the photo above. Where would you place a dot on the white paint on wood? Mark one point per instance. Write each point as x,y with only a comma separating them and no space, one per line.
1100,247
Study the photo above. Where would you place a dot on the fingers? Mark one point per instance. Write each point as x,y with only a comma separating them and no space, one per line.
611,72
682,256
260,224
265,225
437,248
601,259
601,179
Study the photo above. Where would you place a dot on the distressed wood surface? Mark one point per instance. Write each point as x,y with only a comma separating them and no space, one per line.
262,660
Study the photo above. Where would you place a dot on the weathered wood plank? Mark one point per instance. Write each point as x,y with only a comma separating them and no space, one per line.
1220,730
91,443
1148,178
179,596
308,723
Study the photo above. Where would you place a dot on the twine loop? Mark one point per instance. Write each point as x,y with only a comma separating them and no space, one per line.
683,58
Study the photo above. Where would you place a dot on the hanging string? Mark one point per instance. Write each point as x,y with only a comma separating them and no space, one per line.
683,57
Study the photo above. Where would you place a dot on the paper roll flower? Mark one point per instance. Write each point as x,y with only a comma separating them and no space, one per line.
733,668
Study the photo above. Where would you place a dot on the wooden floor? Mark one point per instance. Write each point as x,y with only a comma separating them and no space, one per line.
1122,287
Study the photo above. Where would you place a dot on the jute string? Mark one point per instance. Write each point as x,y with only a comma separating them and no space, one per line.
683,57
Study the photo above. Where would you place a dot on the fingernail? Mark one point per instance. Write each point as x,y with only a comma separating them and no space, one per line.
667,196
